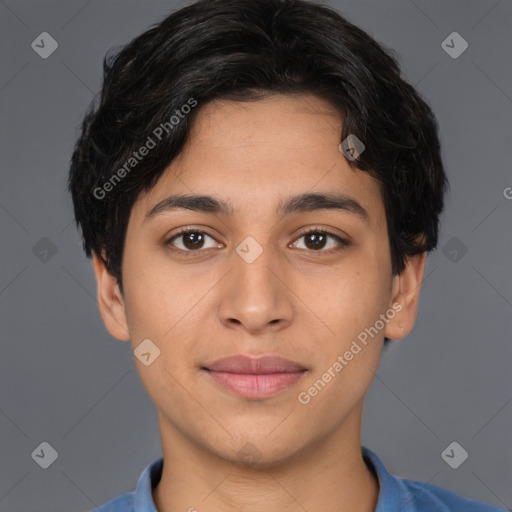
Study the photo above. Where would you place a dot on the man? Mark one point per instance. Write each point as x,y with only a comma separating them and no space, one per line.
258,189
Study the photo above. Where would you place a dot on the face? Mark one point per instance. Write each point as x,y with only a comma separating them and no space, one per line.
300,280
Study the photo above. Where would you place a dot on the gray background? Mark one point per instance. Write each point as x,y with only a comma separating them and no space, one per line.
65,381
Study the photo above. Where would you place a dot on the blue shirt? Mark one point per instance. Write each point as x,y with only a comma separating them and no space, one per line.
395,493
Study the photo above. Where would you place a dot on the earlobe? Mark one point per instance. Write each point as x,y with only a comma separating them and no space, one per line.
110,301
405,294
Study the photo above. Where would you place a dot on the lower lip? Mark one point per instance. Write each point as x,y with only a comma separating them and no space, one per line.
256,386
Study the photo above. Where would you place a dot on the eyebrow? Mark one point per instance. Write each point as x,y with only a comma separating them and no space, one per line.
306,202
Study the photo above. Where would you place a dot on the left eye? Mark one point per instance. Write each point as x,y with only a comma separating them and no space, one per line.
315,240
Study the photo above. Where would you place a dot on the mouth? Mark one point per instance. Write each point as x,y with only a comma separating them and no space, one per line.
255,378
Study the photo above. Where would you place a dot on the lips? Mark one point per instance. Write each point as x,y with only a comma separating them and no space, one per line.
254,378
254,366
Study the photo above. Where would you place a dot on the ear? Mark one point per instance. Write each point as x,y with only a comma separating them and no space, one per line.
110,301
405,293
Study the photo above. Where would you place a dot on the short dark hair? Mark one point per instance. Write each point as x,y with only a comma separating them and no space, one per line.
245,50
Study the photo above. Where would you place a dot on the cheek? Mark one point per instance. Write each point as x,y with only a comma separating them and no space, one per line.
168,307
158,294
348,309
354,298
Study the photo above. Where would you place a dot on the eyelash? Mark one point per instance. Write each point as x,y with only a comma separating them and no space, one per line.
342,242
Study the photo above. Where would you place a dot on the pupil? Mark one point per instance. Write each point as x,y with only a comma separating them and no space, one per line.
318,238
194,239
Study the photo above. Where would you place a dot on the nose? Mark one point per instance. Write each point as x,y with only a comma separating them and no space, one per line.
255,297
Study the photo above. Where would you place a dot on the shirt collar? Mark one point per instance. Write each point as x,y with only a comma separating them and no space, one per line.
143,499
389,493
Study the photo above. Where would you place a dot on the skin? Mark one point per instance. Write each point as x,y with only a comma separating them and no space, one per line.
295,301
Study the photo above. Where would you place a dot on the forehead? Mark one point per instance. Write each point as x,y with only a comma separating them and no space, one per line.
255,154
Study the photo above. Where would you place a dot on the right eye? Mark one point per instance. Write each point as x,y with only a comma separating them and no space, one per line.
192,240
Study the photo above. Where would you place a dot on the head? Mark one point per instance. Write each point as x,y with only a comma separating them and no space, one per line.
250,104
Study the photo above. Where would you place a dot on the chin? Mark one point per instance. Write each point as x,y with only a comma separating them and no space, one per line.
258,451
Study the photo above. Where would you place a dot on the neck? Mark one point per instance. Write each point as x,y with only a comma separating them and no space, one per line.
320,477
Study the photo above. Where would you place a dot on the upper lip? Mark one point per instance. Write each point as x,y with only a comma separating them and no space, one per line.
254,365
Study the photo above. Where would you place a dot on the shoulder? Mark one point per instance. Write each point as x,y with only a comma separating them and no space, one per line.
141,498
406,495
425,497
123,503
